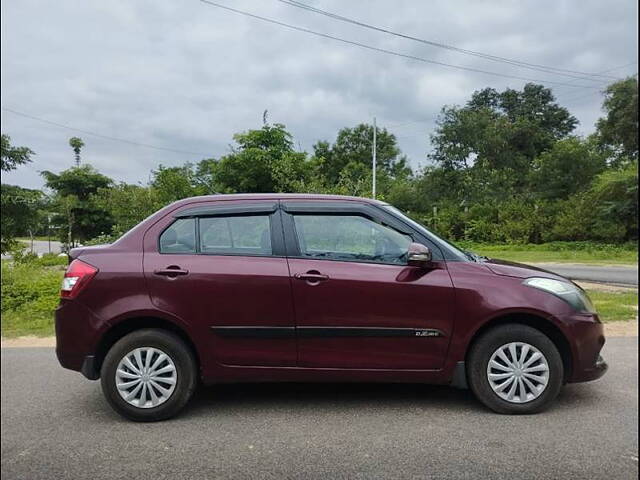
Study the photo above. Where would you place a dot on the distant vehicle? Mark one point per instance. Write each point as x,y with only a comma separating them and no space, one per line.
314,288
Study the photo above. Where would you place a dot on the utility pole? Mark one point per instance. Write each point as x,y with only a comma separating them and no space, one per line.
374,157
49,231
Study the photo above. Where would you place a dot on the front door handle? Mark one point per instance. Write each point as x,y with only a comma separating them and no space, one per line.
171,271
312,276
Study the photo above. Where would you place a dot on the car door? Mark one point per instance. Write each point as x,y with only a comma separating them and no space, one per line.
358,305
220,267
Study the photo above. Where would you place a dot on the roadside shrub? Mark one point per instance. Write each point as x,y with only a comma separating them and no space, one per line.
30,294
103,239
481,230
51,260
21,255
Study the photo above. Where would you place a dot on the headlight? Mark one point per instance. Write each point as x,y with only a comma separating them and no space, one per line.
570,293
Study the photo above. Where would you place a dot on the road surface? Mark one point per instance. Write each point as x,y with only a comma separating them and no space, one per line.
621,275
57,425
42,246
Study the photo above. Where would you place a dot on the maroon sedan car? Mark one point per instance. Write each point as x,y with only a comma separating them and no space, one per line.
277,287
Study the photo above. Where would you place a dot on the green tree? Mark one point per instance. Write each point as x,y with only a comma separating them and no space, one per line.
11,157
262,161
76,144
496,136
615,195
74,189
205,176
175,183
567,168
618,130
20,206
127,205
354,147
21,214
608,211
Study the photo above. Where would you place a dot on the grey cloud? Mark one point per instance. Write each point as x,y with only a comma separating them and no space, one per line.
187,76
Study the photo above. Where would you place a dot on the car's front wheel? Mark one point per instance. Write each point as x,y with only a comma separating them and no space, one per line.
515,368
148,375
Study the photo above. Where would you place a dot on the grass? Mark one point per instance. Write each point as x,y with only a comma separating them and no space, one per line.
560,252
615,306
23,323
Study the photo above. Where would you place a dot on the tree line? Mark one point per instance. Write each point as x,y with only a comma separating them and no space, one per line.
507,166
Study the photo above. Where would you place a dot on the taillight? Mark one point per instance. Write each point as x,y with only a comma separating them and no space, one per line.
77,276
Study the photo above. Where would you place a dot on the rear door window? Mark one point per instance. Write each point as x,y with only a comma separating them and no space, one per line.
236,235
179,237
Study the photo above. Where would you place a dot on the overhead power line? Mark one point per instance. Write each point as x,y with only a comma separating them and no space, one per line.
99,135
390,52
486,56
606,71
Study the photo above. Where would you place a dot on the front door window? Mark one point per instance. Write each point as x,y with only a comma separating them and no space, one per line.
350,238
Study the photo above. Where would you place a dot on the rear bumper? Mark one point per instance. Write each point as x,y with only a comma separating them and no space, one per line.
76,336
89,368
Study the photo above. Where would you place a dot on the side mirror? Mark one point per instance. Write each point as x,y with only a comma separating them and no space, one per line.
418,255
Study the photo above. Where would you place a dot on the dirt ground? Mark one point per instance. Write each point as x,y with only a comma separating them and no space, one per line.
29,341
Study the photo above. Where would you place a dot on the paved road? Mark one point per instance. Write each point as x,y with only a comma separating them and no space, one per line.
623,275
55,424
41,247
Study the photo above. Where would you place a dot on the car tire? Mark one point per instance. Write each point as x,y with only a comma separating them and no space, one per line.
490,362
165,383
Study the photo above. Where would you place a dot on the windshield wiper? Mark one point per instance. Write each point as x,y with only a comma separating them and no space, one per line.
474,256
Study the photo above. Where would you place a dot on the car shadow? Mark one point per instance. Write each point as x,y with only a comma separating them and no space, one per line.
259,399
584,395
318,396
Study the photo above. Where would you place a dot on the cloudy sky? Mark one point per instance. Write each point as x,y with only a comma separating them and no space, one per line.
183,75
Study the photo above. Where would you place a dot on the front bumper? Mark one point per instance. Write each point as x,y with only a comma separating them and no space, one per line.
586,335
593,373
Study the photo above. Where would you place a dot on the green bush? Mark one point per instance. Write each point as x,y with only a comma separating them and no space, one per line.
51,260
30,294
103,239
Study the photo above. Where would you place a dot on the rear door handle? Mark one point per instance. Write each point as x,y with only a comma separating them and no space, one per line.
314,277
171,271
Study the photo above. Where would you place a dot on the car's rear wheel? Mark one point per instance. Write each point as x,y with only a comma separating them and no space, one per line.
149,375
515,368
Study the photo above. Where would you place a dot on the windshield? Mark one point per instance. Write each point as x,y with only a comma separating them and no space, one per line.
461,254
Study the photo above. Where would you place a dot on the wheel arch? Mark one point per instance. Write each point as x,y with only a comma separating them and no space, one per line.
538,322
129,325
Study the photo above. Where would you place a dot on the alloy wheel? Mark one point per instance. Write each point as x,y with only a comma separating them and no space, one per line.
146,377
518,372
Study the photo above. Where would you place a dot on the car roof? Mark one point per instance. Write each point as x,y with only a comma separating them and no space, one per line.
277,196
